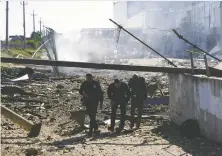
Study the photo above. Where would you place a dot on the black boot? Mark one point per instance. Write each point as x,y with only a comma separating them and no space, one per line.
90,132
118,130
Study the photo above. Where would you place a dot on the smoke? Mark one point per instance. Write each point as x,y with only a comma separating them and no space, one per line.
73,46
160,19
79,47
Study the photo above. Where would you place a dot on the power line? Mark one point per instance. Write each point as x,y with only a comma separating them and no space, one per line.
33,16
23,3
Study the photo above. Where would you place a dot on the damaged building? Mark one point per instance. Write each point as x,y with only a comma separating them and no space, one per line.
197,21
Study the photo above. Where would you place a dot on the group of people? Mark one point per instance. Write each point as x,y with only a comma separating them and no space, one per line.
119,94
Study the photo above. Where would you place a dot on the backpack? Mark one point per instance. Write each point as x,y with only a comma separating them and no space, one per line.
142,84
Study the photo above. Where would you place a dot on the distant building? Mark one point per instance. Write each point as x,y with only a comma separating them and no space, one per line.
13,42
147,14
198,21
166,15
16,37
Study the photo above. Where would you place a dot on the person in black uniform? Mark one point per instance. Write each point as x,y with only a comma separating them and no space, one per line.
138,92
92,95
119,95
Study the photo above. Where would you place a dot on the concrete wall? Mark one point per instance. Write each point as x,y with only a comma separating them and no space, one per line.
198,98
136,21
120,12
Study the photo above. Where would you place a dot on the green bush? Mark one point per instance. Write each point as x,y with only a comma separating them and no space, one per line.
18,42
31,43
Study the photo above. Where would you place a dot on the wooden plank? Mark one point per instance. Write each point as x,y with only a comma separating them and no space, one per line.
157,101
34,129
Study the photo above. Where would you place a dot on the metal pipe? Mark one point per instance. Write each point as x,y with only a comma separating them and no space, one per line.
214,72
40,48
171,63
194,46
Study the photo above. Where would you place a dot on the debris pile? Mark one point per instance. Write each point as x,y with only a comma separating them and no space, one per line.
51,102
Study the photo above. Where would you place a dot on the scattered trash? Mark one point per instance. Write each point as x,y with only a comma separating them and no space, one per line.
22,78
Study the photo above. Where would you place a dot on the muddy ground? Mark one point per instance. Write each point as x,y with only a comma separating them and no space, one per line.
51,102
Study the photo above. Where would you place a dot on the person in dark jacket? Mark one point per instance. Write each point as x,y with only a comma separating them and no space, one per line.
92,95
138,92
119,95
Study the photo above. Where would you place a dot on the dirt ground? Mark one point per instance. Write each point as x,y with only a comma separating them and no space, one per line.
51,102
156,137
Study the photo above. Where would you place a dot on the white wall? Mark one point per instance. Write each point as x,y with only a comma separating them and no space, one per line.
200,98
120,16
120,12
157,19
137,21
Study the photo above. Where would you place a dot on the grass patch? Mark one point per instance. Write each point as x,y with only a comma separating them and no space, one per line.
5,54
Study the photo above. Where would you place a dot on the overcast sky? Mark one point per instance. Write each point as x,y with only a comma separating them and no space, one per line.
62,16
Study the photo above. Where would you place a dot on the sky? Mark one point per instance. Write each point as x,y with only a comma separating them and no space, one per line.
62,16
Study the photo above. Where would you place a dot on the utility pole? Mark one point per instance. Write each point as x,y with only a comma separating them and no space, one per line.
40,28
33,16
6,26
23,3
44,33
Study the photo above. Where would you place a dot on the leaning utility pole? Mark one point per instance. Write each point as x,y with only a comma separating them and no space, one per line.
6,26
33,16
23,3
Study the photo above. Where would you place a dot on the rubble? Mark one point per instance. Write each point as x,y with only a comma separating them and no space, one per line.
31,152
62,136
